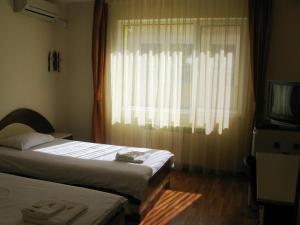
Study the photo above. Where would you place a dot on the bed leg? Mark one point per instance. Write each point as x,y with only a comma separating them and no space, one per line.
168,183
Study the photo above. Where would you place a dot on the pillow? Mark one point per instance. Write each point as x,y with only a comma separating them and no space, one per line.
26,141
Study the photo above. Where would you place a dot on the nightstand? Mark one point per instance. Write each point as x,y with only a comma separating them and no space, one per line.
62,135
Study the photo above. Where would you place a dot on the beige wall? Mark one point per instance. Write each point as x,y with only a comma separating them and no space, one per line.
284,55
283,60
65,98
76,88
24,79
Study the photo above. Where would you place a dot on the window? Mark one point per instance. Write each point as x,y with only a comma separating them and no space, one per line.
177,72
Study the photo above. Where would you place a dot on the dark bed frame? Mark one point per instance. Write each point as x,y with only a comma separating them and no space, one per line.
28,117
159,182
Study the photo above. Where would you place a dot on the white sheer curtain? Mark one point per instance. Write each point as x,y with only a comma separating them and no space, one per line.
179,79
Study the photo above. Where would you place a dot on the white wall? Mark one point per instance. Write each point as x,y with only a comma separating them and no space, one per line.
76,87
284,54
24,79
283,60
64,98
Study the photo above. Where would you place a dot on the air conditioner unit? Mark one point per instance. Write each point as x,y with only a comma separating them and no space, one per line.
40,8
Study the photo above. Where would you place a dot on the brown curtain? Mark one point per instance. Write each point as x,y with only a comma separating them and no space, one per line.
260,17
98,61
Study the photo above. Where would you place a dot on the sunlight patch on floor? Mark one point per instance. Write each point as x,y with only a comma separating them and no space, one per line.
170,204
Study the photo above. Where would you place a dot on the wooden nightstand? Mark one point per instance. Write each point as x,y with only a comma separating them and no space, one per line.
62,135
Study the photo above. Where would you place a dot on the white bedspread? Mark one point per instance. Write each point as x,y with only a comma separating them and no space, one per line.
84,163
19,192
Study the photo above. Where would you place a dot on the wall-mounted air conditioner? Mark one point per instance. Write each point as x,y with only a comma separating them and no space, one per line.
42,9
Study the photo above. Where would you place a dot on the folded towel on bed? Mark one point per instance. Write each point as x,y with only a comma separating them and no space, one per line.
132,156
43,209
70,212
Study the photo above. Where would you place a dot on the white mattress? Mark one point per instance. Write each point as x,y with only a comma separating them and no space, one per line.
19,192
84,163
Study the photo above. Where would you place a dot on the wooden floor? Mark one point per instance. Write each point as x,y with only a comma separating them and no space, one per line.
223,200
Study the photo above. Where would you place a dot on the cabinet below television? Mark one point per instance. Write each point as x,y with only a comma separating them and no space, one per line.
277,177
277,167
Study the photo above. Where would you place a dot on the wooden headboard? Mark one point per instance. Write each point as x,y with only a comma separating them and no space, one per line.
28,117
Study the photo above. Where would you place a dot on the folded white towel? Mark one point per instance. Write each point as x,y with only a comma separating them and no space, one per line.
70,212
132,156
43,209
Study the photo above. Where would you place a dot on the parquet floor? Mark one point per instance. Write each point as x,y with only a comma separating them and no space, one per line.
223,200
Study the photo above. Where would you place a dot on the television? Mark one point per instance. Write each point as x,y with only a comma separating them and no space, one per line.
283,104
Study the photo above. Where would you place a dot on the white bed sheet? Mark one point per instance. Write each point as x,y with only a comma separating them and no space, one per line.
19,192
84,163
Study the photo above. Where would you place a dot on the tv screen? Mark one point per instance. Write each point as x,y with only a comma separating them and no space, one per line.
284,102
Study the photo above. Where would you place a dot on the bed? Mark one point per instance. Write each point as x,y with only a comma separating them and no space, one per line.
17,193
87,165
